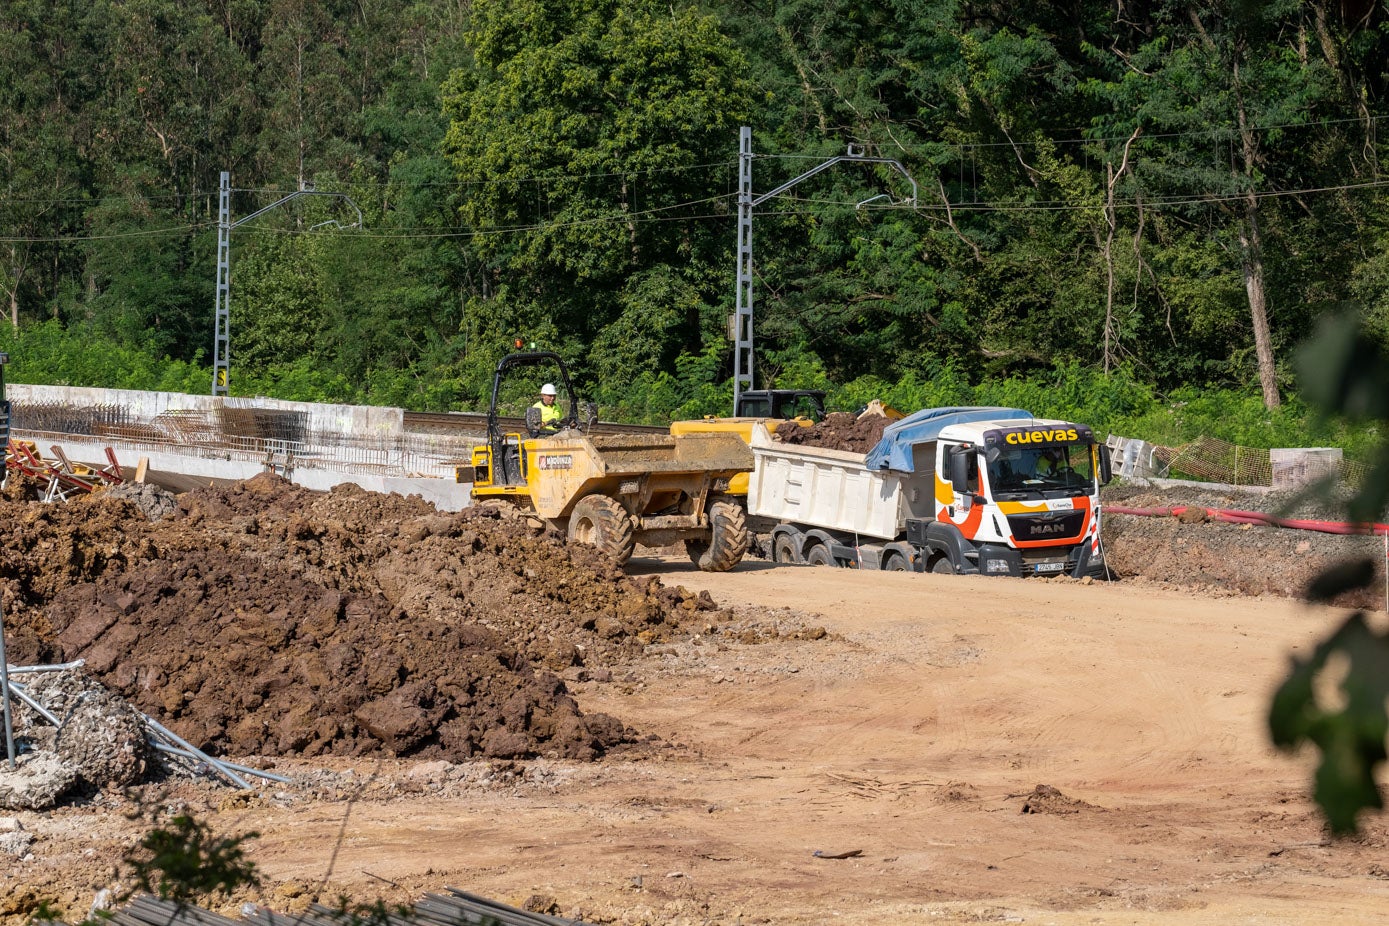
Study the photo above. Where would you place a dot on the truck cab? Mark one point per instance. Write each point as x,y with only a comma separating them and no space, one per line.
1018,497
975,490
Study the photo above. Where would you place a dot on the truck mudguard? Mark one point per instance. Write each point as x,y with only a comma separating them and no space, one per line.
814,536
944,537
911,554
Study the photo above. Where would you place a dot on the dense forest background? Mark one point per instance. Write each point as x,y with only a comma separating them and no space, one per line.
1126,211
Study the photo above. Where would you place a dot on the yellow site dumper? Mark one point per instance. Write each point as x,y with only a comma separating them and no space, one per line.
614,491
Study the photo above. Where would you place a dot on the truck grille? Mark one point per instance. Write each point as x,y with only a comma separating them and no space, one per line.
1051,525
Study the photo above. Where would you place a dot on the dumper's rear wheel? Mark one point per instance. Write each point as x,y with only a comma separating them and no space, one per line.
601,522
728,539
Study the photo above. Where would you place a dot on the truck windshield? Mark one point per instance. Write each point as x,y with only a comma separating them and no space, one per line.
1054,471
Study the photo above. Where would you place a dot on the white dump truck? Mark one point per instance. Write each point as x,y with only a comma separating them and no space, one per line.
952,490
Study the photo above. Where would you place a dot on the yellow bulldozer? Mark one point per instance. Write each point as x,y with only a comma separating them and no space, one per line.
614,491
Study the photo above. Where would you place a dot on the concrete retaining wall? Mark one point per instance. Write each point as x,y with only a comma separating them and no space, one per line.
182,467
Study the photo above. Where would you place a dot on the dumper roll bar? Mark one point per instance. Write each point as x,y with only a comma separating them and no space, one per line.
528,358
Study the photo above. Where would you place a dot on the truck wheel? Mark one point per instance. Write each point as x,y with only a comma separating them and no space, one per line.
785,549
895,562
728,539
601,522
819,555
942,566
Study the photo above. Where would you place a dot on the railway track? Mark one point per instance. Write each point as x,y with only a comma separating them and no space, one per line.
476,423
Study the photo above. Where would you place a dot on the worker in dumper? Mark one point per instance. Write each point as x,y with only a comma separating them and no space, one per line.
544,417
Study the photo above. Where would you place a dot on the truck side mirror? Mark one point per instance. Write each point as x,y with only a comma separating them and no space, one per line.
959,470
1106,466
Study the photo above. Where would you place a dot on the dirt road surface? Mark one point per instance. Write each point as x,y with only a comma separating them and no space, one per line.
983,750
465,700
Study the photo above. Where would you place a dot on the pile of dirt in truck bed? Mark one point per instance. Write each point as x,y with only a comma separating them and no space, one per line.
268,619
839,431
1195,551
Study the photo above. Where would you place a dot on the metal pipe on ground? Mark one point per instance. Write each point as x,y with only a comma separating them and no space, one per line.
174,750
38,708
5,694
179,747
56,667
179,741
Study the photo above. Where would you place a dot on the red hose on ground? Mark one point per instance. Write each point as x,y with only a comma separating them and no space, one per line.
1256,517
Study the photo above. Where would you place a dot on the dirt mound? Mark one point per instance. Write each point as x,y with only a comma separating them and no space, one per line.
264,618
839,431
1047,799
1194,551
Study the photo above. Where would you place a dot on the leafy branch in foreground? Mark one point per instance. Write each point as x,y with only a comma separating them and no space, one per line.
186,861
1336,699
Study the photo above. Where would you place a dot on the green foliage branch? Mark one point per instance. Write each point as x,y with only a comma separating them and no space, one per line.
1336,699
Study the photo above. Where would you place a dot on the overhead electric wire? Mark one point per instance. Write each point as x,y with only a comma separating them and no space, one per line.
660,214
656,171
143,233
619,218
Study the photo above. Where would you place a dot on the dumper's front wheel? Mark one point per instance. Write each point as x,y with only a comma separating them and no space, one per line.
728,539
601,522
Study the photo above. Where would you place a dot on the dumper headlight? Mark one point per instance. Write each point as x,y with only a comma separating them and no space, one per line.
996,566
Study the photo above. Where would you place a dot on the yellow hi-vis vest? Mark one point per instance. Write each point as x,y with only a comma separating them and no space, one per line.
550,415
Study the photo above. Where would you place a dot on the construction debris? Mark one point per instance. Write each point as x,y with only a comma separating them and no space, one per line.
38,781
99,736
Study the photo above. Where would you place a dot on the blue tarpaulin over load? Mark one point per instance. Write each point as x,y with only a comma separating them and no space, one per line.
894,451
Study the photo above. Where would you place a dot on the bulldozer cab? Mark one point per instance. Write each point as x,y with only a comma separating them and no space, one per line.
515,385
781,404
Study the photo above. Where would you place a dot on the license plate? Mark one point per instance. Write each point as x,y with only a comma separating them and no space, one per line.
1050,567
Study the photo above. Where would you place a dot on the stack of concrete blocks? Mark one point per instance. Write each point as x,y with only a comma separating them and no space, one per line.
1295,467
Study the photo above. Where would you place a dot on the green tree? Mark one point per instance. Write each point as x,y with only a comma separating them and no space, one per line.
586,137
1215,96
306,80
45,57
277,307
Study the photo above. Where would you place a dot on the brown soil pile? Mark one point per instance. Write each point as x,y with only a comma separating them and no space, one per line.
1216,556
839,431
1046,799
265,618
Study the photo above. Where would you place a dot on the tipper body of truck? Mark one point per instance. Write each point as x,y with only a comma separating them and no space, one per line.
949,490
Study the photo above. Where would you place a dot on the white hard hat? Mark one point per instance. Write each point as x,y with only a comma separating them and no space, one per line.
548,389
